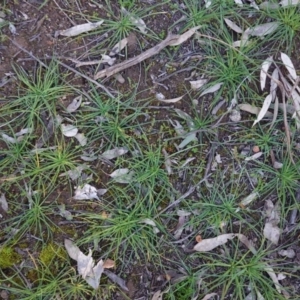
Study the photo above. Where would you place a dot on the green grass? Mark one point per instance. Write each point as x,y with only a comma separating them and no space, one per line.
137,223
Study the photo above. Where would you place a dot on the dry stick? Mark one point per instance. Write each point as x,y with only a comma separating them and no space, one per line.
137,59
66,66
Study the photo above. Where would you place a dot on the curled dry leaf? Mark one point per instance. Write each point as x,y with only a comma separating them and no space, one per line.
271,230
86,192
290,253
78,29
85,264
285,3
264,70
233,26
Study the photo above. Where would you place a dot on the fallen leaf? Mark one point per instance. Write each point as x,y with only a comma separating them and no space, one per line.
81,138
209,244
122,175
239,3
208,296
85,264
264,109
75,173
273,84
65,213
79,29
290,253
197,84
3,203
12,28
285,3
189,138
118,47
264,70
254,156
212,89
262,29
114,153
86,192
253,109
75,104
116,279
157,295
68,130
249,199
289,65
233,26
185,36
271,230
138,22
174,100
109,264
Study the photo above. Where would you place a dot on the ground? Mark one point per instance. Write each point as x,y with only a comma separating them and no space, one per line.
163,189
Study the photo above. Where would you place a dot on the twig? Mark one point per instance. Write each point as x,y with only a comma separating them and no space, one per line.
170,39
67,67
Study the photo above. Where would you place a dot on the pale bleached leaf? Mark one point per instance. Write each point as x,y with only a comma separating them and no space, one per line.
249,199
113,153
122,175
271,230
264,70
138,22
93,278
8,139
241,43
254,156
81,138
184,37
79,29
239,3
289,65
262,29
86,192
285,3
106,59
65,213
233,26
76,172
157,295
3,203
12,28
209,296
197,84
151,223
268,5
168,163
273,84
68,130
290,253
209,244
174,100
253,109
85,264
118,47
264,109
235,115
75,104
189,138
212,89
72,249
